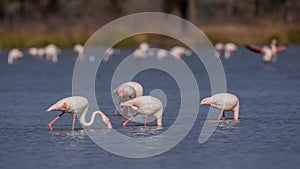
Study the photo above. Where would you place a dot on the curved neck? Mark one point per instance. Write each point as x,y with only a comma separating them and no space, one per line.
83,115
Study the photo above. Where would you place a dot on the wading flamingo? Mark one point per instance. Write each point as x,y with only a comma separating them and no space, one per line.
178,52
146,105
224,102
51,52
76,105
78,49
13,56
229,48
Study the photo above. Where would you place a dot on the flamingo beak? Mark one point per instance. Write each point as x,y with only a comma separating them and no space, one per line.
52,108
121,94
206,101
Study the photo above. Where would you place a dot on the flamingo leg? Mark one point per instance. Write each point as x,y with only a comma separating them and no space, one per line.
115,113
126,112
128,120
54,120
145,121
221,114
74,120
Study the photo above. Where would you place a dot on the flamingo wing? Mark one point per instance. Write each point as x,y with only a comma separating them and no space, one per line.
255,49
280,48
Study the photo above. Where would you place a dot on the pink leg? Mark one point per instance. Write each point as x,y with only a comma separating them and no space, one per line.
145,121
74,120
115,113
54,120
220,115
128,120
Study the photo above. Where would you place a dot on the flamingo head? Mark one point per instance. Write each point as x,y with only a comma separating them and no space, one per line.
207,100
127,93
273,41
105,120
63,106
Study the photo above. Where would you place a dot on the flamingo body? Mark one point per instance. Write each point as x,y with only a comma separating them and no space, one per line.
14,55
51,52
228,49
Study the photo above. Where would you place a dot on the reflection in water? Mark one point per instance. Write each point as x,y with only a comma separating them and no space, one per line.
133,131
269,67
228,125
68,132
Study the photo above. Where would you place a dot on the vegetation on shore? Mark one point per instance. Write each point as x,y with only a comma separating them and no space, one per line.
24,24
240,34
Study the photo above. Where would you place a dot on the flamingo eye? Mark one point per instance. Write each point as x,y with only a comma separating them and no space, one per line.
64,106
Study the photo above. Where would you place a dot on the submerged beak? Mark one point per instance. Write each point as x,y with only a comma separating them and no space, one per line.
109,126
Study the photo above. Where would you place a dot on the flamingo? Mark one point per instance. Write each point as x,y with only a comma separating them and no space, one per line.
161,53
229,48
14,55
141,52
269,54
78,49
109,53
51,52
224,102
179,51
33,51
146,105
40,53
127,91
219,47
76,105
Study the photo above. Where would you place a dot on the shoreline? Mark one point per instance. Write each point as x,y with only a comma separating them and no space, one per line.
65,36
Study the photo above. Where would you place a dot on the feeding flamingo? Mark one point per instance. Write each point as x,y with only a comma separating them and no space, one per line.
141,52
13,56
146,105
51,52
269,54
33,51
127,91
179,51
76,105
219,47
229,48
224,102
109,53
78,49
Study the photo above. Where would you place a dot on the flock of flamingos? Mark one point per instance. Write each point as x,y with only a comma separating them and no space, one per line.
131,93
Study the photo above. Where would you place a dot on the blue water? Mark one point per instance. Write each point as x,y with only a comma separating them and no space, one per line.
267,135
